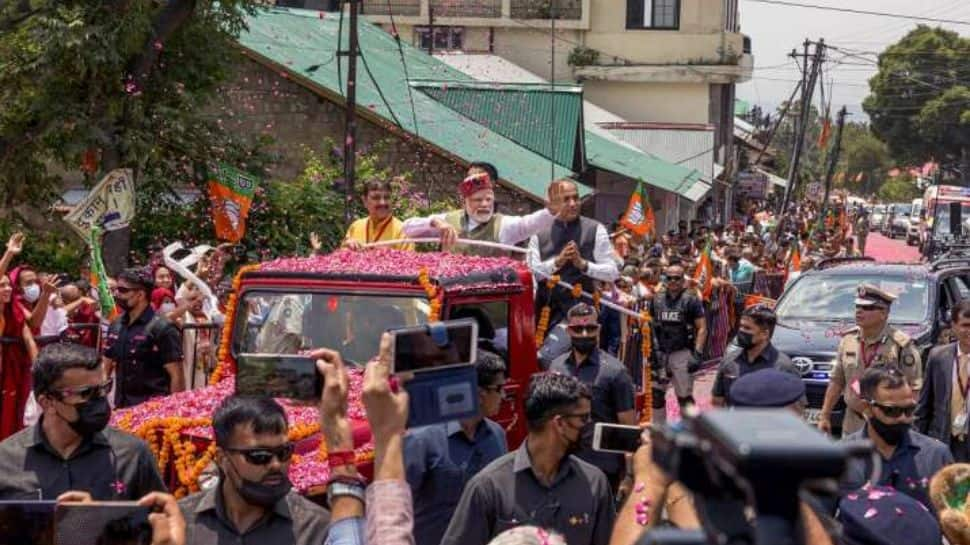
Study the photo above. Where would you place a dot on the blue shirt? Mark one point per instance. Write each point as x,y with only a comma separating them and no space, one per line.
743,273
914,462
439,460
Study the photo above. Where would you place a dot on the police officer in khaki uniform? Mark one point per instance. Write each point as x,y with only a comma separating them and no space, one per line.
872,342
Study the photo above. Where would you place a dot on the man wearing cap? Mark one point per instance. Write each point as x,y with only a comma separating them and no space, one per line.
872,342
769,389
142,348
757,353
478,219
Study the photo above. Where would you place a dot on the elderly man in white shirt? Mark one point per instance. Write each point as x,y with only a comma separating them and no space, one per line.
477,220
577,249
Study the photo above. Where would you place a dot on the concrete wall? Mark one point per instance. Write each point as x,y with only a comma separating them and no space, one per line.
657,102
259,101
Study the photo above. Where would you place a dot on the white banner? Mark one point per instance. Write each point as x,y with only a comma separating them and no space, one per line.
110,204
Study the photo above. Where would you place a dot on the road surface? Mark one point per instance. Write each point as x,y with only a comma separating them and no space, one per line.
887,249
877,246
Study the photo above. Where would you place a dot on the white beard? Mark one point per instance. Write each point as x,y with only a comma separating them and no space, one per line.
480,217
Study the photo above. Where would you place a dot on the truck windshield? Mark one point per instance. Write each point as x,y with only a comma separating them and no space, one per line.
831,297
287,323
941,220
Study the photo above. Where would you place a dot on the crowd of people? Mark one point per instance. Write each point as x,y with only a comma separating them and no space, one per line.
67,360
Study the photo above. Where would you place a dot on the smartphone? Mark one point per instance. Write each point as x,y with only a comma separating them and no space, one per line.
27,522
434,346
102,522
616,438
289,376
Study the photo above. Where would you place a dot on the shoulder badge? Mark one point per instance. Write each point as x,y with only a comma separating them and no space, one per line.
909,360
900,338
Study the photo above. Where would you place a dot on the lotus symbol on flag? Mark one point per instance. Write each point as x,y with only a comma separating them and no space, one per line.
232,210
636,213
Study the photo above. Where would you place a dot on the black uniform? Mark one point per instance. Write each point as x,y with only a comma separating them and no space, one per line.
140,351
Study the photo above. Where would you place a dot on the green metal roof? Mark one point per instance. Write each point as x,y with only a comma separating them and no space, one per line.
633,163
547,120
305,43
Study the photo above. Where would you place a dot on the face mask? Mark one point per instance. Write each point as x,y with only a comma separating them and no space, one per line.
744,339
584,345
92,416
32,293
259,494
166,308
890,433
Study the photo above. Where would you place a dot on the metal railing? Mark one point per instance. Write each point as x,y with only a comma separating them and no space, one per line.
391,7
200,360
544,9
466,8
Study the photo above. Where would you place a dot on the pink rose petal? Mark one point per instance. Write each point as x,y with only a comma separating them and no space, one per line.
871,512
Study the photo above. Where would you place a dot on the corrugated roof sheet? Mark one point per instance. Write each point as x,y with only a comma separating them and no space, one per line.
547,121
603,150
305,43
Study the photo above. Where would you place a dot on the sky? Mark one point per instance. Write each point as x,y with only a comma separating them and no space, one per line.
776,29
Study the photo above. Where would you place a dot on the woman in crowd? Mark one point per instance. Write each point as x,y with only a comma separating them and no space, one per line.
17,347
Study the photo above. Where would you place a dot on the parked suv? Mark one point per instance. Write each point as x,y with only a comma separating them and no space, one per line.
818,308
898,222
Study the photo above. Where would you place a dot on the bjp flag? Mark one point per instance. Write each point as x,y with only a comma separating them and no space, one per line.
231,194
704,274
639,217
794,261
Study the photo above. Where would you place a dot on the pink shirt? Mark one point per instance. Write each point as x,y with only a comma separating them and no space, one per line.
390,513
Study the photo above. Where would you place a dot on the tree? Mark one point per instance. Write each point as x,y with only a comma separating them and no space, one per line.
899,189
919,97
91,85
863,154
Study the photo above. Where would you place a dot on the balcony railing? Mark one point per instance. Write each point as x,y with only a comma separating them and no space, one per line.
467,8
544,9
396,7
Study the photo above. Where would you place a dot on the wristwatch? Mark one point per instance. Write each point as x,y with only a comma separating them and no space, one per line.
337,488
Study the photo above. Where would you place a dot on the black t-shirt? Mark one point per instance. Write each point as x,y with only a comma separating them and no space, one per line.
140,351
732,368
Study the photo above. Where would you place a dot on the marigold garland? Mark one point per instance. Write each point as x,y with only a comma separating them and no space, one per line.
577,290
225,364
597,295
543,326
646,349
432,291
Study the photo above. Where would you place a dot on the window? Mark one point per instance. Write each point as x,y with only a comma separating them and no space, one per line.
445,37
653,14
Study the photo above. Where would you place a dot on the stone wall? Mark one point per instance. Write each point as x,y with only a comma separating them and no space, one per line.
262,101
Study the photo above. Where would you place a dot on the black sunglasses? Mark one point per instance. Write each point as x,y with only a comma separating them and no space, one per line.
84,392
584,329
122,289
894,411
261,456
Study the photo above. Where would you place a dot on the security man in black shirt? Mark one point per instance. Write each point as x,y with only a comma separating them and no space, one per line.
756,353
143,349
681,330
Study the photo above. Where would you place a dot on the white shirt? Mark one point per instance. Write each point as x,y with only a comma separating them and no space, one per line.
55,322
513,229
601,267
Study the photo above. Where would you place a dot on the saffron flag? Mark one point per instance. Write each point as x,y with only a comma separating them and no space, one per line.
231,194
823,137
752,300
704,273
794,261
639,217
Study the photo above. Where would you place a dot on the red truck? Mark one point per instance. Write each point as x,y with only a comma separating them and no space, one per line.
343,301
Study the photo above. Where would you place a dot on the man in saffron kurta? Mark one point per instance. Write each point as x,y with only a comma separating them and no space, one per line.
380,224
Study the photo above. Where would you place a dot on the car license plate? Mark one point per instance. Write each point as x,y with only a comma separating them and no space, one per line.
811,415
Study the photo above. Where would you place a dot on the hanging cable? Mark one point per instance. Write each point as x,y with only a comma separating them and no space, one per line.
404,65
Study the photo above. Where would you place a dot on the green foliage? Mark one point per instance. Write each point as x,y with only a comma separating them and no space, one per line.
45,251
583,56
68,90
862,153
899,189
283,214
918,104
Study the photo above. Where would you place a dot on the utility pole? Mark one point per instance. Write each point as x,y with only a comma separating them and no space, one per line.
808,91
833,161
350,123
430,29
